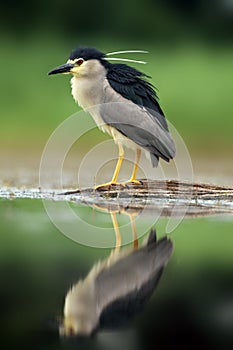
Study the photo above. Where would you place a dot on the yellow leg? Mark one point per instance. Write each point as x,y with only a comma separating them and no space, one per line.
117,169
132,217
117,231
119,163
135,169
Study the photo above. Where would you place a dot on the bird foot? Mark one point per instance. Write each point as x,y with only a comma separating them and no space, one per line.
133,182
108,186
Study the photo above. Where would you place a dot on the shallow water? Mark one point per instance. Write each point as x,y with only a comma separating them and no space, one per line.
191,306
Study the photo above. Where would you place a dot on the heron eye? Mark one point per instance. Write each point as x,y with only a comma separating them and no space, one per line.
79,61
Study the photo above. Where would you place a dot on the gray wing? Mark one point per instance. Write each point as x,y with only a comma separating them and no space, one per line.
130,273
140,126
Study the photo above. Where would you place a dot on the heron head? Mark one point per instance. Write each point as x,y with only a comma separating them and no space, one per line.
84,61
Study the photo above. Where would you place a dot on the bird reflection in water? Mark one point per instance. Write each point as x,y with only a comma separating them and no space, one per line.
116,288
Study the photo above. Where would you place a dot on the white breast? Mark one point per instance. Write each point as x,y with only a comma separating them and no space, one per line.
90,93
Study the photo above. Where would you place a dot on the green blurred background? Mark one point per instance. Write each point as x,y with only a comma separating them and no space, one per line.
190,61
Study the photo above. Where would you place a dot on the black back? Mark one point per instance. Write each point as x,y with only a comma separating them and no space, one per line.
131,84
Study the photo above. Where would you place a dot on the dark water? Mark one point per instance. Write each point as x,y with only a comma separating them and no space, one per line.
183,298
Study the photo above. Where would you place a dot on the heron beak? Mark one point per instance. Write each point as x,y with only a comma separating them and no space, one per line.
64,68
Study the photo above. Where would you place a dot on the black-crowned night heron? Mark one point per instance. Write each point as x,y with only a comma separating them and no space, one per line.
115,288
122,103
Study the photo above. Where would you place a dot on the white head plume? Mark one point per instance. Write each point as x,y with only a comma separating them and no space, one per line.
125,59
126,51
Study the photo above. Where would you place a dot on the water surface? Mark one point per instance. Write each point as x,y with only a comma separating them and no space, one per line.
192,305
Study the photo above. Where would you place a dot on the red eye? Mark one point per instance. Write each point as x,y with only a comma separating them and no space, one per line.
79,61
